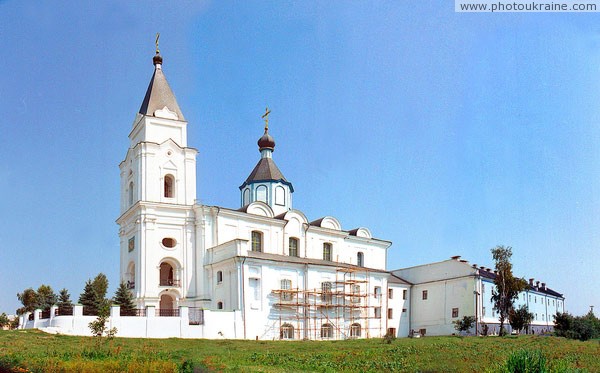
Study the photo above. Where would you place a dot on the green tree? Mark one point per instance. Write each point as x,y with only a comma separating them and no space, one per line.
46,297
520,318
88,298
29,299
64,299
465,324
507,287
124,298
4,321
100,285
94,294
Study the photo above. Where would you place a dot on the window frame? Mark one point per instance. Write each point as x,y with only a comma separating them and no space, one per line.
454,312
326,331
327,251
256,241
286,284
294,252
219,277
360,259
425,295
169,186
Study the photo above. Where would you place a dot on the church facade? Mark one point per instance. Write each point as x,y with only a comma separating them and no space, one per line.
288,276
264,270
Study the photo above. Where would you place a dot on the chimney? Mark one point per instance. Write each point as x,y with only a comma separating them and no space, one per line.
474,266
495,272
488,269
464,261
544,286
456,257
531,282
537,284
482,268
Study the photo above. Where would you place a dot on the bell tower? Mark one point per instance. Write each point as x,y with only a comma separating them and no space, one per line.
158,191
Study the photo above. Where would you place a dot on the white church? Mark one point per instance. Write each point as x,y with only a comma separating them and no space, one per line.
264,270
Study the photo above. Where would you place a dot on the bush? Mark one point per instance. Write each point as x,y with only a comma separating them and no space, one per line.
525,361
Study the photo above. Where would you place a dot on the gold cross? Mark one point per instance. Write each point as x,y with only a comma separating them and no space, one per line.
265,116
157,37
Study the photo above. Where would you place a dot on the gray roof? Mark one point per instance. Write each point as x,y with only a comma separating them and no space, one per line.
159,95
266,170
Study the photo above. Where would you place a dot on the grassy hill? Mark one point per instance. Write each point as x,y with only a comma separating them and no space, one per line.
30,350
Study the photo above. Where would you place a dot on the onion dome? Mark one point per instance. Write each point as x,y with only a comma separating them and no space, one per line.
157,59
266,141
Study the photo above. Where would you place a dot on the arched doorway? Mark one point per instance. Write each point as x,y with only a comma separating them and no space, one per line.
166,306
166,275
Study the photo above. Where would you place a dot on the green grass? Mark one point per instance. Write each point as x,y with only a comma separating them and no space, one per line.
30,350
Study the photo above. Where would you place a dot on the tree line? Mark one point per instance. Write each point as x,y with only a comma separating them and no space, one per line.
93,298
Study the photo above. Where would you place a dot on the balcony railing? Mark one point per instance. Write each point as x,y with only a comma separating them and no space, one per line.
88,311
135,312
196,316
169,282
167,312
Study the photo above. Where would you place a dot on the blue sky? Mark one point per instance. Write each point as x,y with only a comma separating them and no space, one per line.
446,133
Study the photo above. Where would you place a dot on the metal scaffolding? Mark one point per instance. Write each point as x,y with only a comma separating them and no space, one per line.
340,309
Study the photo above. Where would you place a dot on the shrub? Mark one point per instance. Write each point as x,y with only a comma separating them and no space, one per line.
526,361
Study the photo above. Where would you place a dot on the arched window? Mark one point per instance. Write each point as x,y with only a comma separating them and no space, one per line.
219,277
280,196
327,251
130,276
256,241
293,246
261,193
286,332
246,200
219,305
130,191
355,330
360,259
326,331
168,186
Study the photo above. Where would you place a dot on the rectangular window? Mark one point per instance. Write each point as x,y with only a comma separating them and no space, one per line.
390,293
390,313
286,285
256,241
424,294
377,292
404,293
377,312
356,291
455,312
391,331
293,250
534,299
326,291
422,332
327,251
131,244
404,310
255,288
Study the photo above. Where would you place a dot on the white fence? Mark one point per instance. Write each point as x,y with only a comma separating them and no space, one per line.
202,324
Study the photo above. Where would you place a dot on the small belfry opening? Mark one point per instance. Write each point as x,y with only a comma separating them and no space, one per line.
167,275
168,186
